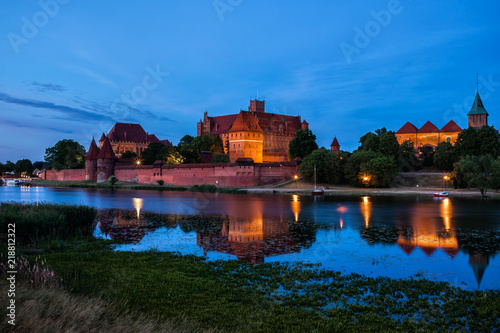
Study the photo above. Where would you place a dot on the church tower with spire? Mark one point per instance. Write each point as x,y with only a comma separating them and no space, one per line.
478,116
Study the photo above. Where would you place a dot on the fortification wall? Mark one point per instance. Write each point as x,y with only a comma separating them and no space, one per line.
73,174
221,175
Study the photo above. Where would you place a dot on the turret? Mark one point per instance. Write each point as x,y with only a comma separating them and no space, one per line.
105,161
478,116
91,161
304,125
335,147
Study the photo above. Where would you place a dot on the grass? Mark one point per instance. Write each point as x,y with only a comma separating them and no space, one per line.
56,310
79,283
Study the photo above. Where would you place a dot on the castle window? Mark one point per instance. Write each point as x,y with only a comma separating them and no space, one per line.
448,139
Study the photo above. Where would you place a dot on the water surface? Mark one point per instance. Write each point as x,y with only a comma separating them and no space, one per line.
455,240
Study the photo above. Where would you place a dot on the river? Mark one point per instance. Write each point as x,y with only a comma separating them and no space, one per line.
455,240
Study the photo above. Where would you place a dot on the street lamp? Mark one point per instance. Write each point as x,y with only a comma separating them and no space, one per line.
445,179
295,177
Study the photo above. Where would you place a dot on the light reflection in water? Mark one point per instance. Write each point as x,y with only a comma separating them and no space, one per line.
296,206
138,202
366,210
341,210
446,212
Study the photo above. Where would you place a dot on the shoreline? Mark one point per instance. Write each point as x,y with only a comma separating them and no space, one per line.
300,188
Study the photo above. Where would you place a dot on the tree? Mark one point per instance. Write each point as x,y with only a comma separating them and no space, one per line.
186,139
406,157
426,155
9,166
445,156
211,143
171,156
370,142
220,158
129,154
38,165
478,142
2,168
480,172
152,153
112,180
24,166
190,153
66,154
379,171
352,167
329,167
302,144
389,145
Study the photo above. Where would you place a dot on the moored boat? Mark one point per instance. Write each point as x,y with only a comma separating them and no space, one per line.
443,194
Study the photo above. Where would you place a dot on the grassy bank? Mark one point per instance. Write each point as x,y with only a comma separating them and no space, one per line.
135,186
160,288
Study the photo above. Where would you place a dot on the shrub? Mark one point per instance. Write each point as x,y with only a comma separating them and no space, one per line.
160,181
112,180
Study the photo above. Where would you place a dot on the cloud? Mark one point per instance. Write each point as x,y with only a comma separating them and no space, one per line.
18,124
70,113
44,87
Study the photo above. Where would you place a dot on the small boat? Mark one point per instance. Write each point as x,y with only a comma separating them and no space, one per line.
443,194
13,182
317,191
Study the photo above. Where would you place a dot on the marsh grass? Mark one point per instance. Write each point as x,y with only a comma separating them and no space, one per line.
37,222
56,310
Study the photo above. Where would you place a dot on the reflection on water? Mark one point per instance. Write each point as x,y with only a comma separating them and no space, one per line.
366,210
454,240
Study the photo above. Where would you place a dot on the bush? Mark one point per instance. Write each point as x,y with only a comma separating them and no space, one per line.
204,188
112,180
160,181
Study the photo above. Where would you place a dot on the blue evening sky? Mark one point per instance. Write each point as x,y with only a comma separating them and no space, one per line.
71,68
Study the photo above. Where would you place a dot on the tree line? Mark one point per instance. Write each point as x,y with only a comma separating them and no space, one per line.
473,161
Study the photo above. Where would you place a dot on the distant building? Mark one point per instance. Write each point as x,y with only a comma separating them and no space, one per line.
255,134
335,147
430,135
129,137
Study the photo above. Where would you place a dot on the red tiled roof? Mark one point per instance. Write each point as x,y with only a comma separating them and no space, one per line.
166,142
245,121
407,128
451,127
103,136
93,151
428,128
222,124
278,123
106,150
130,132
335,143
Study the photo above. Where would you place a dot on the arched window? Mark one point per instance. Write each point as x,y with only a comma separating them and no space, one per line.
448,139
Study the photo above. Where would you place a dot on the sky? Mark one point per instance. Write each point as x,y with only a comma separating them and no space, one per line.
71,69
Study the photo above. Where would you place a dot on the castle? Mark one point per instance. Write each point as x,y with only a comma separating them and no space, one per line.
255,134
430,135
129,137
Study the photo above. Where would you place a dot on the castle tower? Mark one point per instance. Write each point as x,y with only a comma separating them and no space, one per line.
246,138
257,106
91,161
105,161
478,116
335,147
304,125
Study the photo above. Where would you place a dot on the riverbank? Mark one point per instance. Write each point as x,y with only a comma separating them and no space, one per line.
298,187
164,289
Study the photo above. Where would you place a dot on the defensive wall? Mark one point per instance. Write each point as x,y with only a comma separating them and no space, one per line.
218,174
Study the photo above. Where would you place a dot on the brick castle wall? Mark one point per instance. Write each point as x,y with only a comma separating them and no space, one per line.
221,175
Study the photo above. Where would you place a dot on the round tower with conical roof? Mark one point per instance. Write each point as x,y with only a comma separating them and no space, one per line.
91,161
105,162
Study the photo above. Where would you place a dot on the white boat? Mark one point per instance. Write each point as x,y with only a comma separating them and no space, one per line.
12,182
317,191
443,194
